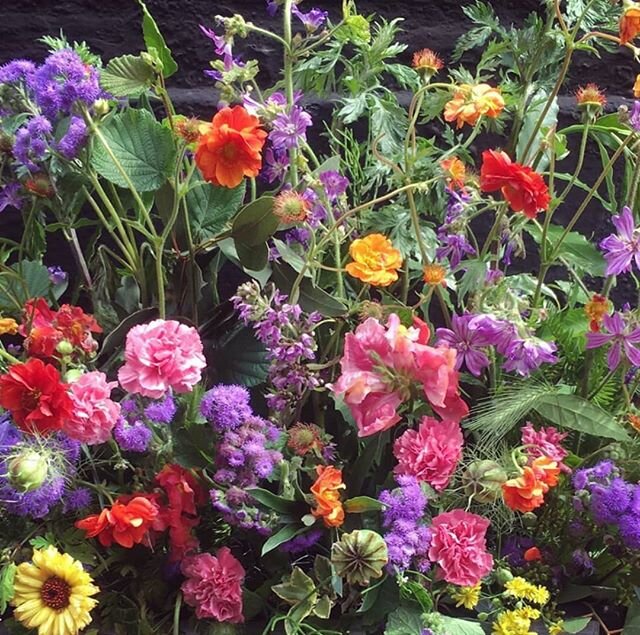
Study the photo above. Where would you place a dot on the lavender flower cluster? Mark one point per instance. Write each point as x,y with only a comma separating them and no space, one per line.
407,537
287,335
237,507
454,244
34,472
610,499
132,431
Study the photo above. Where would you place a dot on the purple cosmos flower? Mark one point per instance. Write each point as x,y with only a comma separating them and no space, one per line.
622,338
335,185
57,275
524,356
455,247
290,129
468,340
10,196
312,20
623,248
73,139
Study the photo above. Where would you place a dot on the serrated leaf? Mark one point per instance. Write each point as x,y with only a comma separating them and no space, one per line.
404,621
144,148
256,222
27,279
154,41
127,76
455,626
7,577
576,413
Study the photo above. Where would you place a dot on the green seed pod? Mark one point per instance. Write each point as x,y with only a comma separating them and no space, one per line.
483,480
28,471
360,556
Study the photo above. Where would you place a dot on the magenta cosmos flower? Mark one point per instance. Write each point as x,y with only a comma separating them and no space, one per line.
622,339
469,338
623,248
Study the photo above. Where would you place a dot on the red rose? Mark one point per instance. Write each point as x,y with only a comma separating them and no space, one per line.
36,398
524,189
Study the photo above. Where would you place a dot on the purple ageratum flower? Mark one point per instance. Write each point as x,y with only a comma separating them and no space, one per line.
132,437
524,356
32,142
623,248
312,20
468,340
290,129
73,139
15,71
514,548
629,528
455,247
10,196
622,338
57,275
238,508
335,185
77,500
610,501
162,411
226,407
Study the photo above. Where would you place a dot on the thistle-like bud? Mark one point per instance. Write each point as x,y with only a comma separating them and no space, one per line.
28,471
360,556
483,480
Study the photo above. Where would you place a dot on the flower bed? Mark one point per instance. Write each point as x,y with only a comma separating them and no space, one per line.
297,381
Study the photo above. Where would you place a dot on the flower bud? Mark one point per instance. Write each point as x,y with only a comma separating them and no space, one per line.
529,519
360,556
483,480
101,107
27,471
73,374
483,617
64,347
503,576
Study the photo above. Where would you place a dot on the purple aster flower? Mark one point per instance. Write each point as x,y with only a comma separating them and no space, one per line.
335,185
456,203
623,248
302,543
634,118
524,356
73,139
15,71
455,247
57,275
132,437
312,20
622,338
468,340
226,407
290,129
162,411
77,500
10,196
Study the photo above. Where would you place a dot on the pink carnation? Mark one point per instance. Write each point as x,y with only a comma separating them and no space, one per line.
545,442
430,453
213,586
380,366
161,355
94,413
458,546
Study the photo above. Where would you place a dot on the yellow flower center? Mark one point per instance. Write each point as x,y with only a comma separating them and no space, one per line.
55,593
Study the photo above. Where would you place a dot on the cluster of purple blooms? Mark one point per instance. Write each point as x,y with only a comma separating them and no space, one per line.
454,245
287,334
302,543
132,431
61,455
407,537
471,334
312,20
610,499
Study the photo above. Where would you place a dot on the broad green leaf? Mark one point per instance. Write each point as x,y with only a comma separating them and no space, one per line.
25,280
283,535
115,339
296,588
241,359
632,623
576,625
404,621
252,257
194,447
272,501
454,626
322,608
256,222
211,208
537,105
127,76
144,148
361,504
576,413
473,278
7,577
290,256
154,41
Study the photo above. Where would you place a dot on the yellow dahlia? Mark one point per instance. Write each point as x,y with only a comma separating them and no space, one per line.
53,593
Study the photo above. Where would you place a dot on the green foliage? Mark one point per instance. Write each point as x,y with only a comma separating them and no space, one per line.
7,576
404,621
155,43
23,281
127,76
241,359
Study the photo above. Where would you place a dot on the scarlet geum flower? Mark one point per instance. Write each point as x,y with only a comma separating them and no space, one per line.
455,172
291,207
326,491
590,95
636,87
596,308
427,62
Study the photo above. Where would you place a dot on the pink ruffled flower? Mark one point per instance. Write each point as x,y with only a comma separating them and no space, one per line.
94,413
380,365
459,547
545,442
214,586
430,453
161,355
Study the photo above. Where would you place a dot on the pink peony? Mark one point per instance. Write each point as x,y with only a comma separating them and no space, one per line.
459,547
380,366
161,355
430,453
545,442
94,413
213,586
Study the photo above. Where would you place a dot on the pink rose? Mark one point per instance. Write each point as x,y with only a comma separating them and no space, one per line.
459,547
161,355
430,453
214,586
94,413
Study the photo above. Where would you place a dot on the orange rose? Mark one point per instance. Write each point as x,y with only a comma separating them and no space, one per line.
629,22
525,493
469,103
326,490
229,148
375,260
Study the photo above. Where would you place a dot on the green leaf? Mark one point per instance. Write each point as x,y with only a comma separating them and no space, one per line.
322,608
576,413
115,339
241,359
252,257
283,535
361,504
7,577
272,501
473,278
127,76
144,148
577,624
25,280
404,621
194,447
297,588
211,208
454,626
256,222
537,104
632,623
154,41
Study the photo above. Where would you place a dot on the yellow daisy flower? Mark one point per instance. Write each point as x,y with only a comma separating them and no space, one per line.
53,593
467,596
511,623
523,590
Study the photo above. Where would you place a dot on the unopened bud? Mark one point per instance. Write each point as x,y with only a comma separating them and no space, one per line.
27,471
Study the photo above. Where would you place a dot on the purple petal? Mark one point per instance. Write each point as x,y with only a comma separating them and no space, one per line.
476,362
614,356
624,223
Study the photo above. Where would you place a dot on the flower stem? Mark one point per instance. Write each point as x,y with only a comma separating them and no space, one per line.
288,83
176,614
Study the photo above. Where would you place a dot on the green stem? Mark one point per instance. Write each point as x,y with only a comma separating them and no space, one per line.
603,383
8,356
288,83
338,258
415,221
493,231
176,614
